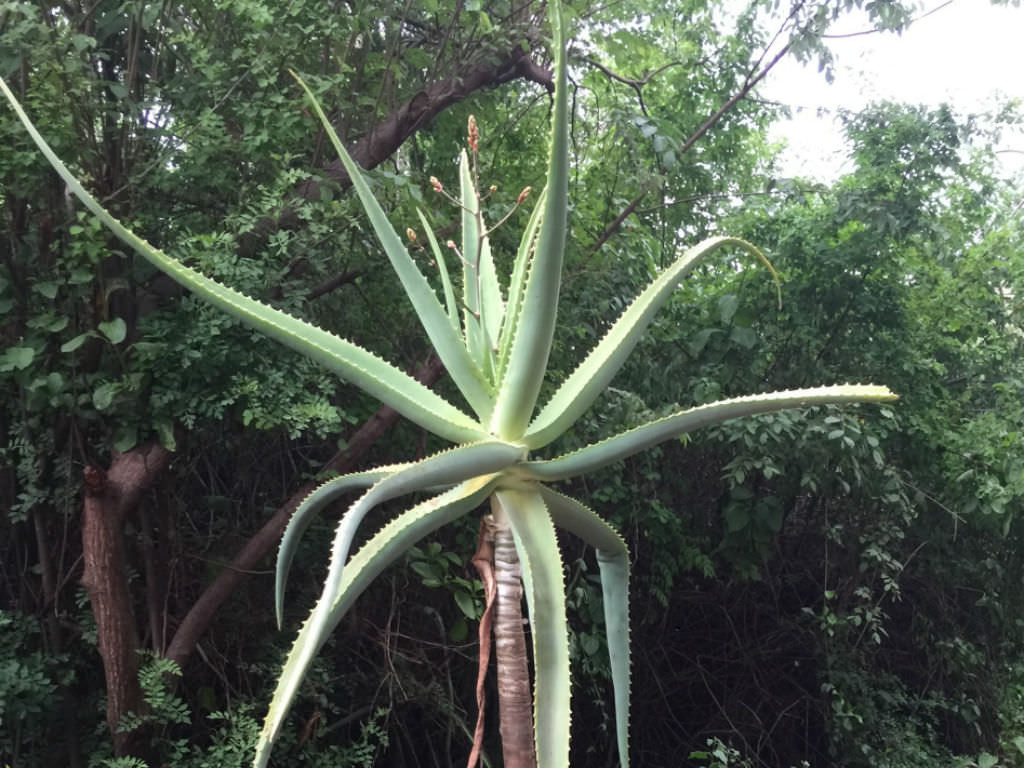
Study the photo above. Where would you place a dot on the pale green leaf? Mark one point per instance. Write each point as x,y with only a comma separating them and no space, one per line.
517,286
613,561
451,306
383,549
472,229
491,301
535,323
72,344
635,440
306,512
541,562
446,340
482,292
450,467
115,330
103,395
578,392
17,358
365,370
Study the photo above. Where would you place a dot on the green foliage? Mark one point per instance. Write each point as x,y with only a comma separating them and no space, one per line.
438,568
905,271
158,678
29,683
229,735
497,358
720,755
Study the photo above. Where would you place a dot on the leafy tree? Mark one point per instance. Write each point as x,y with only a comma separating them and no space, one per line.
188,127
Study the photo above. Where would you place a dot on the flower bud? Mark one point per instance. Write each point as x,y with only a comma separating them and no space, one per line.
411,234
474,134
523,195
451,244
436,184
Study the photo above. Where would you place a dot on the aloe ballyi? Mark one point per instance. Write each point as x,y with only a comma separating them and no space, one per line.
494,342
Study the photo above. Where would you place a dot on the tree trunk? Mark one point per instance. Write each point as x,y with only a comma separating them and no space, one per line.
515,699
109,497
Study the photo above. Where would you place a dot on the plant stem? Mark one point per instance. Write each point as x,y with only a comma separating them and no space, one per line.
515,702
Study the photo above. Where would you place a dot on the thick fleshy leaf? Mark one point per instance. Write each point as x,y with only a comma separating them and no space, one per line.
451,306
383,549
447,341
578,392
447,468
306,512
483,305
493,305
640,438
541,562
535,323
613,561
517,285
471,230
362,368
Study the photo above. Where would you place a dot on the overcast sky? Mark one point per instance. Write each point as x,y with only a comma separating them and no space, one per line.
968,53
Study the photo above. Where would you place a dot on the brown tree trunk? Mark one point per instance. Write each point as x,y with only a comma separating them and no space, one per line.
515,699
109,497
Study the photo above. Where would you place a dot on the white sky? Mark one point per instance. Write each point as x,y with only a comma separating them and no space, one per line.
969,54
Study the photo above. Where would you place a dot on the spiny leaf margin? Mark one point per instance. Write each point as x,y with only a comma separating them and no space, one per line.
382,550
613,561
468,377
541,562
362,368
586,383
625,444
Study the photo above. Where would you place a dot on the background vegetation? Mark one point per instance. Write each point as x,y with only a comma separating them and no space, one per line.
819,587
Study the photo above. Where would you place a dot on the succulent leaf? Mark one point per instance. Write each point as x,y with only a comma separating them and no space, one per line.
613,562
365,370
467,375
640,438
451,305
383,549
497,356
578,392
541,562
517,285
305,513
535,324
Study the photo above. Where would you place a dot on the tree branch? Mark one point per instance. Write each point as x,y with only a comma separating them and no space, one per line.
204,610
386,137
696,136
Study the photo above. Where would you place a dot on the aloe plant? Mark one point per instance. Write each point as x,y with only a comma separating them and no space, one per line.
494,340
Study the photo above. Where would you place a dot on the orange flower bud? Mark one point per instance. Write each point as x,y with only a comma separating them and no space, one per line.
411,234
493,189
523,195
474,134
451,244
435,184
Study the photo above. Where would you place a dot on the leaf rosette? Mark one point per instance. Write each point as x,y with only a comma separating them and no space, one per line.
494,343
